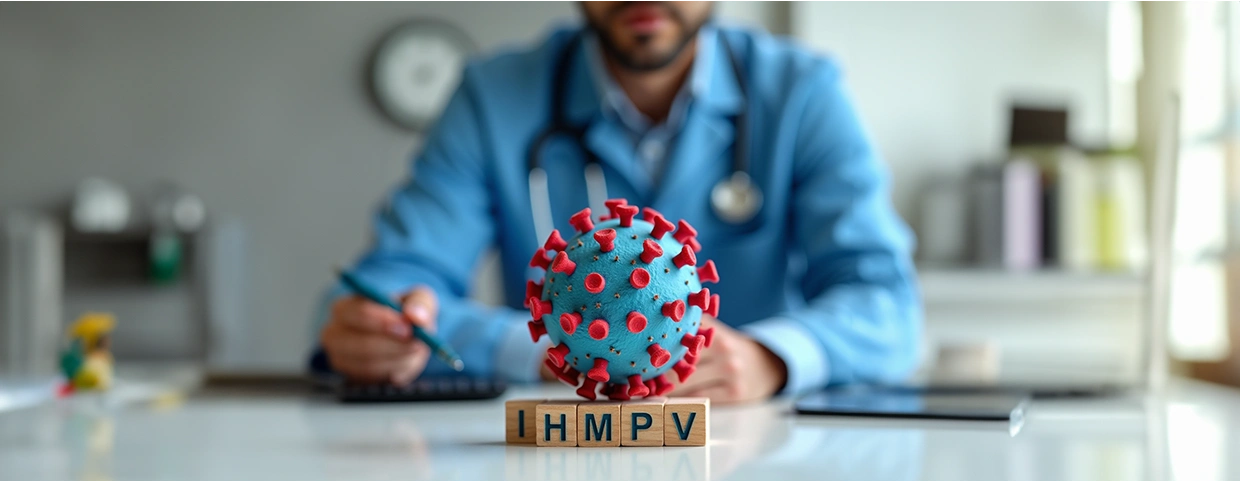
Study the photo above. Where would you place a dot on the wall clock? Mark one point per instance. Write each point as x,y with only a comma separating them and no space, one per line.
415,68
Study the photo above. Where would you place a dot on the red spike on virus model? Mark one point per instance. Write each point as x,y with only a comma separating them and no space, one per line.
622,302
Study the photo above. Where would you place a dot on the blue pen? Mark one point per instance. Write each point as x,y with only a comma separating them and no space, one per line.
441,349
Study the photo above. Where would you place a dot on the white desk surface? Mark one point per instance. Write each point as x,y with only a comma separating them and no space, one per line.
1190,432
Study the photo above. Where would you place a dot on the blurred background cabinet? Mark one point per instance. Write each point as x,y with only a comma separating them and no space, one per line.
1039,326
52,273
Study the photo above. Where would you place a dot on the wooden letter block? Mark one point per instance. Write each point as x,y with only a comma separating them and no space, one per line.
641,423
686,421
556,424
519,421
598,424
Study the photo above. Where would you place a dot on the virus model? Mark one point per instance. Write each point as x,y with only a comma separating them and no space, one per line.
622,302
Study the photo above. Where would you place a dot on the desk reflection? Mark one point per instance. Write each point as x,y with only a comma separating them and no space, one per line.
1187,434
627,463
746,442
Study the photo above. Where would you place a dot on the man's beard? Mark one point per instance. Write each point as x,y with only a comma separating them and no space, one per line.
628,61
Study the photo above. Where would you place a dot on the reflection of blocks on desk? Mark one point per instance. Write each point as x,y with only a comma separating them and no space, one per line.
556,463
556,424
641,463
652,422
521,462
685,463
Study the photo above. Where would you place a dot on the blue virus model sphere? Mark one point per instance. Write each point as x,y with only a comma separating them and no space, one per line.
622,302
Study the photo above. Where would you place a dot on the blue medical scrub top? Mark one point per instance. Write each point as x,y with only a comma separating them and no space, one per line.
822,276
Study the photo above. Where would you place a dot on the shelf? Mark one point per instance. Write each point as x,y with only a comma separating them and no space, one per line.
136,236
996,286
1043,324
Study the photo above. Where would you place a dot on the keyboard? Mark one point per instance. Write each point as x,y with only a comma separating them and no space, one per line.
422,390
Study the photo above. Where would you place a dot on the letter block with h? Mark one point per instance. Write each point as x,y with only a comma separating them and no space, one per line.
556,424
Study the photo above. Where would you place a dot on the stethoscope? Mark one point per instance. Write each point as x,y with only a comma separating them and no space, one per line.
735,199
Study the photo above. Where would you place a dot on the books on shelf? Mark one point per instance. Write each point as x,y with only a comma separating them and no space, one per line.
1007,206
1122,238
1072,184
1100,212
943,229
1053,207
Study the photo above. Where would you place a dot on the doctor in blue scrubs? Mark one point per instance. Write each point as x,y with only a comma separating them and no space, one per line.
751,138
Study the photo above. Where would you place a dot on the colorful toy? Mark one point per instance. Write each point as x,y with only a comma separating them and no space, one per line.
86,362
622,302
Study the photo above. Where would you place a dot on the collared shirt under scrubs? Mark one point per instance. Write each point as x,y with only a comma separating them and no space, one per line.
650,140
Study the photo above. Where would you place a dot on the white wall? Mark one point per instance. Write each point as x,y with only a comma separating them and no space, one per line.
261,108
258,107
933,80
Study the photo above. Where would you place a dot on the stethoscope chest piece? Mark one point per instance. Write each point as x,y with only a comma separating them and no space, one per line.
736,200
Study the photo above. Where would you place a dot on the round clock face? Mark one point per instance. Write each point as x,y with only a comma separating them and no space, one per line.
415,70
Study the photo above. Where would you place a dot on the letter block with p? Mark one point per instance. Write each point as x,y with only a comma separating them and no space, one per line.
641,423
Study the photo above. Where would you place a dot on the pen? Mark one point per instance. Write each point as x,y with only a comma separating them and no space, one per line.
441,349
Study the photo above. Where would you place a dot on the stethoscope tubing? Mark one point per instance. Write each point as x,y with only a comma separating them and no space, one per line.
736,188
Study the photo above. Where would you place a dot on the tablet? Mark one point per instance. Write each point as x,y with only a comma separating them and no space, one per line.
915,404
